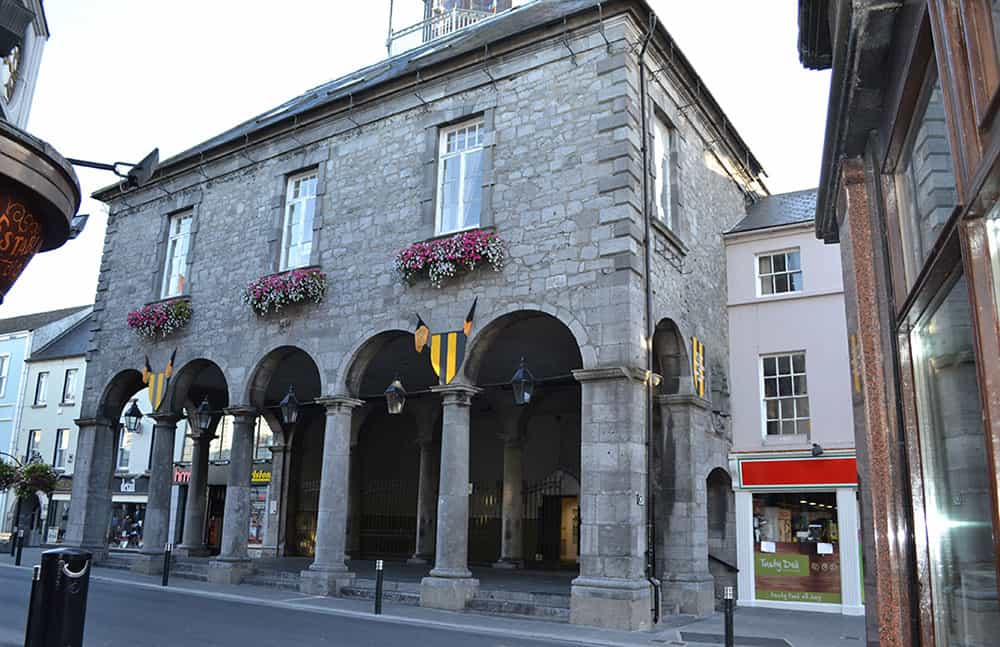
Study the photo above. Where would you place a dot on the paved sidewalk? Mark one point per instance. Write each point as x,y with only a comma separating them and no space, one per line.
754,627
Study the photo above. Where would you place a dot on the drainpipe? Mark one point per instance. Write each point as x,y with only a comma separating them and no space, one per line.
648,288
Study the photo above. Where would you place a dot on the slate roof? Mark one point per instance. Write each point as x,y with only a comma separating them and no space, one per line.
778,210
37,320
471,39
71,343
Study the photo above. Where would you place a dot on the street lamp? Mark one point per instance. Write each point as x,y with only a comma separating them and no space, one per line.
523,384
132,417
395,397
290,407
202,416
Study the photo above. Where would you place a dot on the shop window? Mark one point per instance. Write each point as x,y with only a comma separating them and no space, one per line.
127,520
297,225
956,473
796,547
460,177
779,272
786,398
925,180
220,447
175,270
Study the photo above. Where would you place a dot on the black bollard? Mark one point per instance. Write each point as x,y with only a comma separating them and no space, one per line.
20,545
378,587
166,565
59,607
36,575
728,601
13,541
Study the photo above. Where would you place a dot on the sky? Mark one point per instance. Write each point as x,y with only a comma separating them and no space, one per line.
120,77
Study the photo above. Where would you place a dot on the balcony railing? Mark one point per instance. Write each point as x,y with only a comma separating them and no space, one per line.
433,28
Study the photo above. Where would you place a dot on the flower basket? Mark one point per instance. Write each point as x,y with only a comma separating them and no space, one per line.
36,477
274,292
441,259
9,476
160,319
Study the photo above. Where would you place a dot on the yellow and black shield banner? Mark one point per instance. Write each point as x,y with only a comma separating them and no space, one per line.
157,383
447,353
698,366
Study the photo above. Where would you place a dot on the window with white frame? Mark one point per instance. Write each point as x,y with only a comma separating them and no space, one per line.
4,367
124,449
34,440
297,227
41,388
69,386
62,445
175,279
779,272
263,438
786,398
460,177
662,199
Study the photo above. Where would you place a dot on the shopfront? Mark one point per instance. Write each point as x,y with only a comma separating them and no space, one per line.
58,513
129,496
797,531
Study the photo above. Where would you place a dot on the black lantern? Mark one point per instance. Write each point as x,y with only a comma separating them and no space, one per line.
523,384
202,416
132,417
290,407
395,397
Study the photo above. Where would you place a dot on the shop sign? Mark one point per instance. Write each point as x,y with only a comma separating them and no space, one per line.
131,484
181,475
759,472
260,477
127,485
797,572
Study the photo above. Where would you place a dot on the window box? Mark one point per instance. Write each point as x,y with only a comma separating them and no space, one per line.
442,258
161,318
273,292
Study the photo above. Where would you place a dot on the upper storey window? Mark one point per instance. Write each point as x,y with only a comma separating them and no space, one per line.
297,228
178,245
460,177
662,199
779,272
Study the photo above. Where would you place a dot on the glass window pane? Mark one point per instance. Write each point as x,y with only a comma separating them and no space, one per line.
800,385
787,428
770,366
993,238
784,386
779,263
799,363
472,194
787,409
802,407
780,283
796,280
450,194
767,285
956,475
793,260
784,365
764,264
770,387
772,409
773,428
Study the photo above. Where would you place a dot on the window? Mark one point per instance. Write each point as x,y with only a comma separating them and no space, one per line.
41,386
175,279
62,444
662,145
124,449
69,386
460,177
786,401
221,446
34,440
779,272
187,449
297,228
263,437
4,366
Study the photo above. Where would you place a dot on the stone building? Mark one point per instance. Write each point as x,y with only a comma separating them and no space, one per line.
528,126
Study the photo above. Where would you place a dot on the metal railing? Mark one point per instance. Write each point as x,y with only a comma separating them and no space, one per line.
433,28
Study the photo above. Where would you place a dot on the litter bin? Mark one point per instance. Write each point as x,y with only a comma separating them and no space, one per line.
59,604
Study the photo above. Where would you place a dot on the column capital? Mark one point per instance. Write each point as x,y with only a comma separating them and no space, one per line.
200,435
96,421
456,394
278,449
241,411
605,373
165,419
339,404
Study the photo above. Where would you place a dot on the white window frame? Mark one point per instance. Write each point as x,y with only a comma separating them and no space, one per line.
34,440
786,272
301,201
444,156
4,369
176,259
41,389
798,420
122,435
69,386
662,144
59,455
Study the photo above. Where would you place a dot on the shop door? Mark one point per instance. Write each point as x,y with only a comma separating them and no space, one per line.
551,529
216,508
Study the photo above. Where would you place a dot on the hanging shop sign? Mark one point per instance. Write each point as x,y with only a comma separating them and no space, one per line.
157,382
446,350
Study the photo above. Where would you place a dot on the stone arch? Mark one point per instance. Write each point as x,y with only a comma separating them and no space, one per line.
116,394
383,356
197,380
719,487
262,388
362,348
670,358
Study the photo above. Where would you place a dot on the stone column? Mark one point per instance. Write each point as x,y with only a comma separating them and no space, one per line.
193,539
426,493
275,498
512,509
233,562
156,526
612,589
328,573
682,536
93,469
451,585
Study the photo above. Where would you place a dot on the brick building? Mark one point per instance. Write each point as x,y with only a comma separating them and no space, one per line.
530,126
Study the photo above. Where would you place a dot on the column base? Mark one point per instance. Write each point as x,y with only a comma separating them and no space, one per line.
693,595
324,582
229,571
506,563
447,592
147,564
191,551
611,603
419,560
